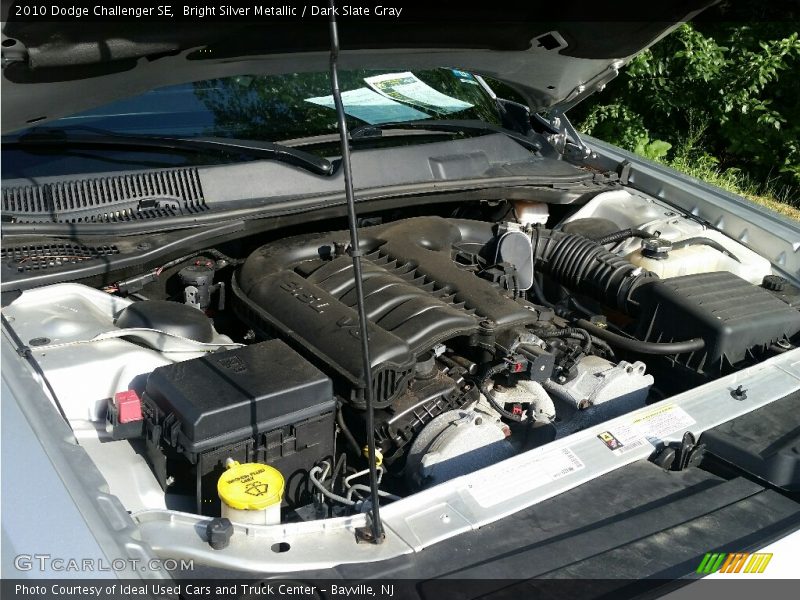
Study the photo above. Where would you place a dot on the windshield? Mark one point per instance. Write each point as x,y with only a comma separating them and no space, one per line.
256,107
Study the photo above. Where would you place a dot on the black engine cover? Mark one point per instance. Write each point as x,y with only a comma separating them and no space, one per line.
416,296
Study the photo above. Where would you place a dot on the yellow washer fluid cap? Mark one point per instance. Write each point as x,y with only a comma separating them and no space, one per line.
250,486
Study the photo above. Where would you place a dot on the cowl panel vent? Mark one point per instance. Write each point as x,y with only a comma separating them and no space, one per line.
43,256
116,198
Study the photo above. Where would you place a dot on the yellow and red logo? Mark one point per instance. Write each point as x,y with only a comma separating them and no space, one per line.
736,562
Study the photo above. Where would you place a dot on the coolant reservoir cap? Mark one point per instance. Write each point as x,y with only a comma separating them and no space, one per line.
656,248
250,486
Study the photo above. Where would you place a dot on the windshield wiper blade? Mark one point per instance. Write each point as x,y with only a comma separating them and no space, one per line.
371,134
97,138
367,131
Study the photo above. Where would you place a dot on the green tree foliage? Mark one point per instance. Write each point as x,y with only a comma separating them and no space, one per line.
723,97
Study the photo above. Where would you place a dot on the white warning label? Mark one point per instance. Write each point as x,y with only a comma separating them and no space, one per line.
646,429
520,478
662,421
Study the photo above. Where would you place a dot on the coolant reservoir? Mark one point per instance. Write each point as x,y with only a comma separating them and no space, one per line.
669,262
634,210
251,493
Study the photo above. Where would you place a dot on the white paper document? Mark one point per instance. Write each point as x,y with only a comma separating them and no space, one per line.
408,88
371,107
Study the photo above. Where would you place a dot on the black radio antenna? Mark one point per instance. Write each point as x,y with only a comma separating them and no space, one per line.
374,532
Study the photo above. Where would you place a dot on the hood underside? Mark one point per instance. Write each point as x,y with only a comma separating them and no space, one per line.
48,66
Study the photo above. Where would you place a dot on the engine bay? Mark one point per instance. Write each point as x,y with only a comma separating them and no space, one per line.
489,336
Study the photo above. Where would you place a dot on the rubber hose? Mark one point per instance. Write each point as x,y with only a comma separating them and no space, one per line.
221,256
624,234
704,241
537,289
632,345
312,476
585,266
346,431
603,345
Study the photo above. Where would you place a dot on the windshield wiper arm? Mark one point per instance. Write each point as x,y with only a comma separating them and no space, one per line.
257,149
367,131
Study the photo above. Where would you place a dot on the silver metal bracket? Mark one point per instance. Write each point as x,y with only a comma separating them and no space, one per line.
566,140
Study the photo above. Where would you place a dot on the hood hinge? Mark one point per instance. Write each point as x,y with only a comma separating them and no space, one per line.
566,139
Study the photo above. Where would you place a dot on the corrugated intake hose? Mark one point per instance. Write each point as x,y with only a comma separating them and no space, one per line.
586,266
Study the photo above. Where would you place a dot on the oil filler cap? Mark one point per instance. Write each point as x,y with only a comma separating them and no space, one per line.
250,486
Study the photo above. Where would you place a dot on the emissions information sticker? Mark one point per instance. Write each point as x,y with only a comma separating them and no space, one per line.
643,430
662,421
518,478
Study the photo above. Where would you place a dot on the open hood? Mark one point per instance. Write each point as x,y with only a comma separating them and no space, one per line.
51,70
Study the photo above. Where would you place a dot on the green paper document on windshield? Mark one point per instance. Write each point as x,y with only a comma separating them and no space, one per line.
371,107
408,88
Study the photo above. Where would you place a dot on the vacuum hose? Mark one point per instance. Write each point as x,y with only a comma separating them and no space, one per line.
632,345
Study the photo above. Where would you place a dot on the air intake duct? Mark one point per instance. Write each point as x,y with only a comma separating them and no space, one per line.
587,267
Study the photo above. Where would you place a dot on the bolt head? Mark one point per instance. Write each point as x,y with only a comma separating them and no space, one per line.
219,532
739,393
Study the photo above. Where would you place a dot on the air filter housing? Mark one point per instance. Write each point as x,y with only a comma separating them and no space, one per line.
730,314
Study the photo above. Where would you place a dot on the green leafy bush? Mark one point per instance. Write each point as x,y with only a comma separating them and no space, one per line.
715,98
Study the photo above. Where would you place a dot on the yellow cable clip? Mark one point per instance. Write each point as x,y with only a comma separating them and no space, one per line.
378,456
